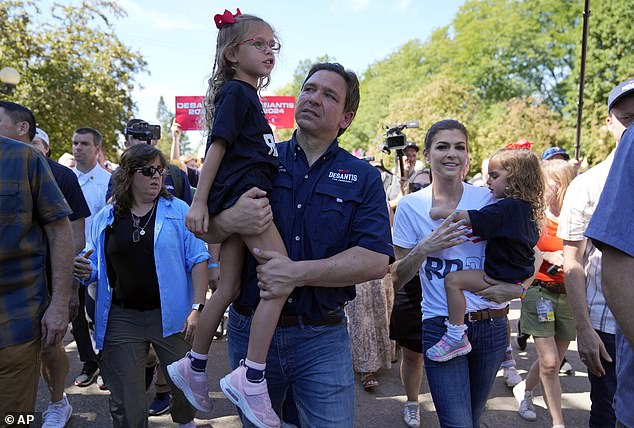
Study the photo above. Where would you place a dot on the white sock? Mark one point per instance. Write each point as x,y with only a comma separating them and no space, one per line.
198,356
455,332
509,348
254,365
411,403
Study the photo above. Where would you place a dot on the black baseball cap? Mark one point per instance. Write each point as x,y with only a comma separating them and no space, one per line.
619,92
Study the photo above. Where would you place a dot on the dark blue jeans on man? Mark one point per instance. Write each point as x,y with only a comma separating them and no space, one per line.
602,388
453,382
315,360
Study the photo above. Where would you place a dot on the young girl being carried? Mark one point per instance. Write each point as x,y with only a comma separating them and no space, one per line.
241,154
511,228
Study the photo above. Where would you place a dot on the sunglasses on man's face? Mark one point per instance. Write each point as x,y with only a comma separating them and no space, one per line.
149,171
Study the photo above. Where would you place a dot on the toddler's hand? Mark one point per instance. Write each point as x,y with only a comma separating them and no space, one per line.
197,218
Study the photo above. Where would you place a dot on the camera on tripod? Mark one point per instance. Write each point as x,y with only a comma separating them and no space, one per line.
395,138
143,131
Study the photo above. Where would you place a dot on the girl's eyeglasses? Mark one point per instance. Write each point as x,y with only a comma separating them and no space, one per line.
261,44
149,171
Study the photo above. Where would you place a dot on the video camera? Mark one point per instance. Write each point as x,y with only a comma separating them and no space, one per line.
143,131
394,137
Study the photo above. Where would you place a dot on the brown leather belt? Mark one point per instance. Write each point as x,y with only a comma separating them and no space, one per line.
486,314
293,320
553,287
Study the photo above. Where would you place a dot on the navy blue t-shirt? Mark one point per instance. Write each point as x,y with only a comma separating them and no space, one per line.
321,210
251,156
67,181
511,234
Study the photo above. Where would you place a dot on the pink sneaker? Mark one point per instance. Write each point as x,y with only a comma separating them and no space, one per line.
446,349
193,384
252,398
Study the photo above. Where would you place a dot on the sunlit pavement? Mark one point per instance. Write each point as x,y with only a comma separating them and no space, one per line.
380,408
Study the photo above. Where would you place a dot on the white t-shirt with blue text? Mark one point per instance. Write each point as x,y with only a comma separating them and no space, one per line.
412,223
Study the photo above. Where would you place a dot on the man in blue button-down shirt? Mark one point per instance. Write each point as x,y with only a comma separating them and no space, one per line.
331,211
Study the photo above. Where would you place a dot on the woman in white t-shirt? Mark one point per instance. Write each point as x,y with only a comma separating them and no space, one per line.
459,387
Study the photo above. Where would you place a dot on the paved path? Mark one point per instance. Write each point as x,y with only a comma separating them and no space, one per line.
380,408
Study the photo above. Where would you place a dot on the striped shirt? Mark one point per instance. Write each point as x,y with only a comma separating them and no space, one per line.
29,199
581,199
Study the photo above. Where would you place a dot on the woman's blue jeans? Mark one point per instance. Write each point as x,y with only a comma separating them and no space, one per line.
460,387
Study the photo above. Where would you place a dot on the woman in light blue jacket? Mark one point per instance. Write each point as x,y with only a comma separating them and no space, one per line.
151,275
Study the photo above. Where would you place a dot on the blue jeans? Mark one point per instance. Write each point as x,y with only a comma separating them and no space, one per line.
316,361
602,388
460,387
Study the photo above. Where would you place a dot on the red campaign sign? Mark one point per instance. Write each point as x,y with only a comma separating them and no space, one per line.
279,111
188,112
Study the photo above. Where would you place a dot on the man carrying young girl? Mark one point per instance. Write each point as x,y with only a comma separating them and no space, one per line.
329,211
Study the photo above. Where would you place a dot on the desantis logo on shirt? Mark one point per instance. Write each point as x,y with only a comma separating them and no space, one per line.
343,176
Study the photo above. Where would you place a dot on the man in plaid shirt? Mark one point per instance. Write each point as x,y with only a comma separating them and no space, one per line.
32,211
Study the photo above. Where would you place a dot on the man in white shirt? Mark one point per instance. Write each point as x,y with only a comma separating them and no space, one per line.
93,180
594,321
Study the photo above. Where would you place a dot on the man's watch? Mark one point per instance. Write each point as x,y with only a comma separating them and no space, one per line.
198,306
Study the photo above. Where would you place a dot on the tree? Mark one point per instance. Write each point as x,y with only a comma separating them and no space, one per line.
74,70
394,78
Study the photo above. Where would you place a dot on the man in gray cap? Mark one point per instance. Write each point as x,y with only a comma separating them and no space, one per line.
595,323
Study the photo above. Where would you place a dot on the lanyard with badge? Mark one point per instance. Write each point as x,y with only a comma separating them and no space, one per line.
545,312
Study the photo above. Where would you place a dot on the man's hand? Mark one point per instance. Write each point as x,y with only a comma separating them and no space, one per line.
499,291
190,325
54,324
81,266
73,302
250,215
176,130
591,349
277,277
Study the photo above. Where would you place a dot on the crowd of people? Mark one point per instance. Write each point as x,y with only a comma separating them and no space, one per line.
287,234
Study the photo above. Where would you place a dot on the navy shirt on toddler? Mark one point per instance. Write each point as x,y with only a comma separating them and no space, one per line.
251,156
511,234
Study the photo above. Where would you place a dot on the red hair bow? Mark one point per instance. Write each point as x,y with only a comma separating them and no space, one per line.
226,18
522,143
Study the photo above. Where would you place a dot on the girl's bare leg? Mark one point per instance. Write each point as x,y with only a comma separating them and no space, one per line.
455,284
231,261
268,311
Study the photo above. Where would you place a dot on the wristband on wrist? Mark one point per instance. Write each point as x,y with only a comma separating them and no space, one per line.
523,291
213,265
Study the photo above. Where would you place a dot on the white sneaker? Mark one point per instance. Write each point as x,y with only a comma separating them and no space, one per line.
527,409
190,424
57,414
511,376
411,415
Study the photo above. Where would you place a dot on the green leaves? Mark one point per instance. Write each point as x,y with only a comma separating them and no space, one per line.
75,71
508,69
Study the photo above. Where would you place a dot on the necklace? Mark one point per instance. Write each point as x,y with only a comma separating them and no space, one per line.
140,231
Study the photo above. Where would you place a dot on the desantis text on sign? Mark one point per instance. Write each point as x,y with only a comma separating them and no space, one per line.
279,111
188,113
